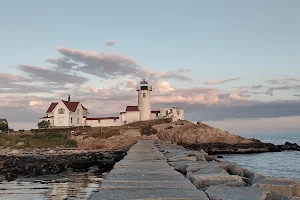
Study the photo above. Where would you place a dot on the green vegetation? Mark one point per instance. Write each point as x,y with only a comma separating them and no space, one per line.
3,127
37,140
43,124
148,130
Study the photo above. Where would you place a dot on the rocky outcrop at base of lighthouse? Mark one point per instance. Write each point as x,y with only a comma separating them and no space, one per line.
210,139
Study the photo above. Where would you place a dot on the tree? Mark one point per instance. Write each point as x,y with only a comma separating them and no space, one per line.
3,127
43,124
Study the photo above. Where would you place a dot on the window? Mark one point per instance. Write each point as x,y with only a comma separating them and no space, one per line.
61,111
99,120
157,114
115,120
77,111
144,95
71,120
77,120
166,113
178,112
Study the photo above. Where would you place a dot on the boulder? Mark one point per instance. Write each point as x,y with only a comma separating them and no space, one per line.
200,157
235,169
247,173
256,177
220,192
20,144
280,186
214,176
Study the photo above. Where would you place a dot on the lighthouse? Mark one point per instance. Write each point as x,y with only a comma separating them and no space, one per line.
144,100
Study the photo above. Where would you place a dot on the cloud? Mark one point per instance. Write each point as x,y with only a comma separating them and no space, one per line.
63,64
10,83
175,74
283,81
35,103
110,42
103,65
47,75
113,66
271,90
215,82
235,96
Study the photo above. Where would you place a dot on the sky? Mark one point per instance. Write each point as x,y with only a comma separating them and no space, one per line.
232,64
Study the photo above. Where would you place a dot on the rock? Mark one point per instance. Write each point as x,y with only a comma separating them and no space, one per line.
235,169
15,151
256,177
214,176
51,151
220,157
294,198
211,140
289,146
221,192
20,144
247,173
280,186
200,157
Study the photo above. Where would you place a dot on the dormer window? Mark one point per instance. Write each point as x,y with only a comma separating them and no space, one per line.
61,111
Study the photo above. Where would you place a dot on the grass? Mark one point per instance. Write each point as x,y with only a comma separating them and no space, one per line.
60,137
37,140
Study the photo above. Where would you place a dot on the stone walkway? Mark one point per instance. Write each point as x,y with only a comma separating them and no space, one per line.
144,174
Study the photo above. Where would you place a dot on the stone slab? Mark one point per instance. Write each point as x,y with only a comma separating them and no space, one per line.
150,194
120,184
236,193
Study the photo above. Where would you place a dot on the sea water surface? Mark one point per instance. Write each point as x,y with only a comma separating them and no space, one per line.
284,164
65,186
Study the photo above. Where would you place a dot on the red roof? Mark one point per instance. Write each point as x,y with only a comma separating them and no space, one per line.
71,105
155,111
132,108
101,118
51,107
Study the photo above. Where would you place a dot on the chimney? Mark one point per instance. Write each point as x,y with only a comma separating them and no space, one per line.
69,99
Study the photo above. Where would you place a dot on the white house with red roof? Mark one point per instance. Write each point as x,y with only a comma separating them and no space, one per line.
65,114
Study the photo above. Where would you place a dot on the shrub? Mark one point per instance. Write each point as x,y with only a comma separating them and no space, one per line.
148,130
169,127
43,124
71,143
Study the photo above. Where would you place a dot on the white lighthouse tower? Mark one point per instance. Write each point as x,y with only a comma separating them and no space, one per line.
144,100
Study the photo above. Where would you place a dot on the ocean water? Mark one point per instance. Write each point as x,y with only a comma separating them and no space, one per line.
65,186
284,164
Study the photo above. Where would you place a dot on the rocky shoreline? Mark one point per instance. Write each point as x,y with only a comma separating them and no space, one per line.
40,162
226,180
213,140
